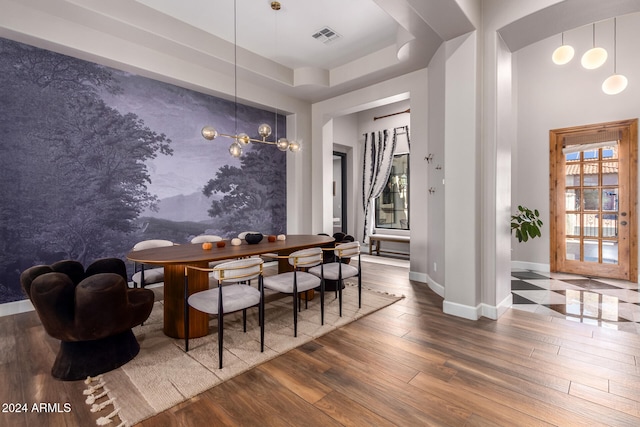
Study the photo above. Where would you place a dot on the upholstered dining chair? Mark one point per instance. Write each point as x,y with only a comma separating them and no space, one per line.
299,280
145,276
232,294
339,271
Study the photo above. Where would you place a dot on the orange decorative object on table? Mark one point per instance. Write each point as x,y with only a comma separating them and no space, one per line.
220,244
272,238
207,246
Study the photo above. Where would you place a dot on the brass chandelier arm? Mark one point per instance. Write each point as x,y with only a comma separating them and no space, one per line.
240,138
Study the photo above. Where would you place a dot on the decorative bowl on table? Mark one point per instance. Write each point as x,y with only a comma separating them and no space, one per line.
253,238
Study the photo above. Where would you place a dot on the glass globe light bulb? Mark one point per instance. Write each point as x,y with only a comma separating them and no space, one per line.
243,138
264,130
294,146
209,132
594,58
614,84
282,144
563,54
235,149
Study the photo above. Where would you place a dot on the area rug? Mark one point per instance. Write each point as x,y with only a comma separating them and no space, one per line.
163,375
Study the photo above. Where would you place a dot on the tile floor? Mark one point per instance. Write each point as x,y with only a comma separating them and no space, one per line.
607,303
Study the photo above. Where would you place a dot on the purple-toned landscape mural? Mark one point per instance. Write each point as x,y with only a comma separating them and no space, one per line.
94,159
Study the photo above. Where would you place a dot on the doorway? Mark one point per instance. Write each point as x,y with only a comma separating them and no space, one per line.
593,197
339,192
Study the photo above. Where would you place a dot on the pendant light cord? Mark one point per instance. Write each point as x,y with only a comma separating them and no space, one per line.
615,36
235,65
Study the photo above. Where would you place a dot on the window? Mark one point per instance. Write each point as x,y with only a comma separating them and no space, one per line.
392,206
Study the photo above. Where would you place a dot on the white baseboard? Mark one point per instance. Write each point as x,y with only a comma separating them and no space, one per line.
418,277
534,266
459,310
16,307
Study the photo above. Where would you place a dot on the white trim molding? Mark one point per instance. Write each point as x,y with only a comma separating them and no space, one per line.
533,266
16,307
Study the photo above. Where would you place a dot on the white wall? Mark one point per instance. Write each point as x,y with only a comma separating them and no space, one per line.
390,91
366,125
552,97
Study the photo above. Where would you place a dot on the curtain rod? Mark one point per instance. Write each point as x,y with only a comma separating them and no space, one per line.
408,110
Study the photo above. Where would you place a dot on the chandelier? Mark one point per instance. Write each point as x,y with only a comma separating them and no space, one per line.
264,130
242,139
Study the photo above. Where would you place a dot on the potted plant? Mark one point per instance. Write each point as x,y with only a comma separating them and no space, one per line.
526,224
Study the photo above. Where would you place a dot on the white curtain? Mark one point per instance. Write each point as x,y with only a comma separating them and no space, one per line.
378,159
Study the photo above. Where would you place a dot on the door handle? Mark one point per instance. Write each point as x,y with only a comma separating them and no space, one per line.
623,222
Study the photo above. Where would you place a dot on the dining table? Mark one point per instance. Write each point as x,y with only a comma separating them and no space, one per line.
176,258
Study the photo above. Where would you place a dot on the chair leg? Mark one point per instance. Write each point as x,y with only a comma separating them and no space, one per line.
359,283
244,319
186,314
295,313
322,299
340,287
306,300
261,313
359,290
220,338
220,325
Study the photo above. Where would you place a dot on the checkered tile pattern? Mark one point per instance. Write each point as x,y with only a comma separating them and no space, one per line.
608,303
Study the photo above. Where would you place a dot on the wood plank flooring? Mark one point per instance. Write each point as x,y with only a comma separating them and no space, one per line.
406,365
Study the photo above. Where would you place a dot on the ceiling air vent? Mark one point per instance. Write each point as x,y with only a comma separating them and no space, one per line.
326,35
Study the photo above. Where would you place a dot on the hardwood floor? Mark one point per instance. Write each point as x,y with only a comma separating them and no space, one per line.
408,364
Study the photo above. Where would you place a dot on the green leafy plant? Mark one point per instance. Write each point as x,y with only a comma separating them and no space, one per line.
526,223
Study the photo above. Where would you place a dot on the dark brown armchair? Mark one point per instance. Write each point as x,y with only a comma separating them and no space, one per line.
91,312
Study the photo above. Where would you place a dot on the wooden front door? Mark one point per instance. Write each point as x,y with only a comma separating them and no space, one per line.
593,198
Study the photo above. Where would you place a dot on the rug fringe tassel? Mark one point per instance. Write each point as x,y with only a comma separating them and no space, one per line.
92,399
103,421
93,388
89,379
99,407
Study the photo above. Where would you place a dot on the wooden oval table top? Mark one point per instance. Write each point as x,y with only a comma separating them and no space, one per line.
193,252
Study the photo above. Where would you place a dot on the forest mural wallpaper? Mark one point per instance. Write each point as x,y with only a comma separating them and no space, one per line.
94,159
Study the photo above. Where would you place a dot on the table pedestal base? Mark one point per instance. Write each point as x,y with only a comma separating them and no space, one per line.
174,301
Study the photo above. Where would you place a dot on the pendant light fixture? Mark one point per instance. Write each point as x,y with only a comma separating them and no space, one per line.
264,130
615,83
594,57
563,54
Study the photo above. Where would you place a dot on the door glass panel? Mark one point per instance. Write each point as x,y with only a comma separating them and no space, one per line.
591,199
590,172
610,252
572,227
573,249
610,152
590,154
610,173
572,199
610,199
572,172
590,250
590,225
609,225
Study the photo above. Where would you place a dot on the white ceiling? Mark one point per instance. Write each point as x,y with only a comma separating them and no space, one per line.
275,49
285,36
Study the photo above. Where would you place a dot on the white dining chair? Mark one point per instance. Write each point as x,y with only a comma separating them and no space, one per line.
233,293
146,276
339,271
298,281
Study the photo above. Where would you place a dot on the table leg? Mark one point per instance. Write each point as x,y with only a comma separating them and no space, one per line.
174,302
